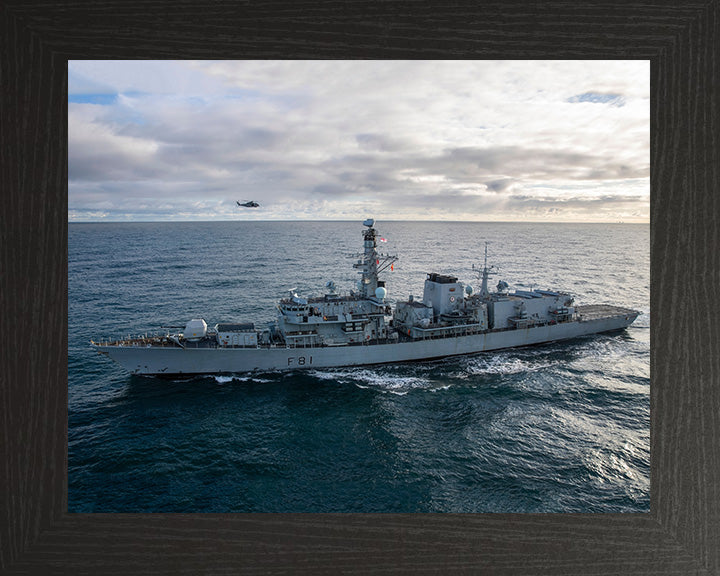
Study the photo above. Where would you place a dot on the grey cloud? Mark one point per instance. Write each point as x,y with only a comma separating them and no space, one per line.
595,207
332,190
575,201
441,200
186,154
499,185
475,166
615,172
105,165
530,164
379,142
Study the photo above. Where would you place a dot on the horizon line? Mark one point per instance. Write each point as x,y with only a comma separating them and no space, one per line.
349,220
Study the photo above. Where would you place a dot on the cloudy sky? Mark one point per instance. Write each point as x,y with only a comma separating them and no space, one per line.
565,141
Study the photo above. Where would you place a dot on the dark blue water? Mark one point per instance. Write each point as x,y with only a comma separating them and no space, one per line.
557,428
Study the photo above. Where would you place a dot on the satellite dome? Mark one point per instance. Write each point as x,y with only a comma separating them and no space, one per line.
369,223
380,293
468,290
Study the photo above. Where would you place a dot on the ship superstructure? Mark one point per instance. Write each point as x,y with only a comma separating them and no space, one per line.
360,327
338,320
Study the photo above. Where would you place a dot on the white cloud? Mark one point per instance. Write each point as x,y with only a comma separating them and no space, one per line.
338,139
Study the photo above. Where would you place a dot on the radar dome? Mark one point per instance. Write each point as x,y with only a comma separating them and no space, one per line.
380,293
468,290
195,330
369,222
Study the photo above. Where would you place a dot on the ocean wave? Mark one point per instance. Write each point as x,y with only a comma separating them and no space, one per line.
501,364
383,380
239,378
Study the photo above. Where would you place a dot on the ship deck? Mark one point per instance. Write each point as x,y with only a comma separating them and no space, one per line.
585,313
596,311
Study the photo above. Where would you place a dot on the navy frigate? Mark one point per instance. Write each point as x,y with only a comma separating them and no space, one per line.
361,328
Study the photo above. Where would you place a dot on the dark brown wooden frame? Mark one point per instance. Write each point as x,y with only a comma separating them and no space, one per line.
680,535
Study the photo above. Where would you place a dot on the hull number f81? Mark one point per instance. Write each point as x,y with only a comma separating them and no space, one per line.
299,361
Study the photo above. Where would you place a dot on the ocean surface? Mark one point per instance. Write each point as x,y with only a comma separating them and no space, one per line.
562,427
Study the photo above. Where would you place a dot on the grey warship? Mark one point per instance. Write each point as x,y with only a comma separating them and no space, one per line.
361,328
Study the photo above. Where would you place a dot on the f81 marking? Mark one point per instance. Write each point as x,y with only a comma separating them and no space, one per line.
300,361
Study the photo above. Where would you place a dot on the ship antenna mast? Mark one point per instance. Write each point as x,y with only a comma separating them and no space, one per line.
372,262
484,292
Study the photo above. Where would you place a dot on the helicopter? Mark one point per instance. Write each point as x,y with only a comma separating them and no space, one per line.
248,204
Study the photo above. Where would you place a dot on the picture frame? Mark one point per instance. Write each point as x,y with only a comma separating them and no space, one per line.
680,534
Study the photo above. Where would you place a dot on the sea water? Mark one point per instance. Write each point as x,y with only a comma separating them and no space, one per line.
561,427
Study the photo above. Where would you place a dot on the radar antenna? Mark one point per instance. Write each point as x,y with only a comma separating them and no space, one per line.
484,275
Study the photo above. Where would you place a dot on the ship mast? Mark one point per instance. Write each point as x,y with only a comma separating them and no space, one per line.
372,261
484,288
484,292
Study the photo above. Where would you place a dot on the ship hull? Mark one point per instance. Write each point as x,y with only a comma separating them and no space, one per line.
179,362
